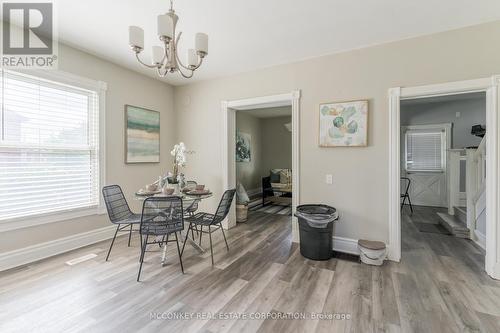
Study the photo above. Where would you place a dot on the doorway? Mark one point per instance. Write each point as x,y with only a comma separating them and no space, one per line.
489,86
229,109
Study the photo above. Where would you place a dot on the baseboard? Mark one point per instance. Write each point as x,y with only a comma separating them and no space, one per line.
345,245
480,239
40,251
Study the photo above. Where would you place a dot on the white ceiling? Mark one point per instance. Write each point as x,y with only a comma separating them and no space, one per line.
245,35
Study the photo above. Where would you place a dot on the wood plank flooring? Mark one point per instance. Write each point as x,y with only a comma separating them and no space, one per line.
439,286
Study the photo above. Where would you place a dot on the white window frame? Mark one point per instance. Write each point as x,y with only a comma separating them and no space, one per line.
100,88
445,144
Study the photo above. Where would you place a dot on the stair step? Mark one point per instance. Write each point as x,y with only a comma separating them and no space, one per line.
456,227
461,214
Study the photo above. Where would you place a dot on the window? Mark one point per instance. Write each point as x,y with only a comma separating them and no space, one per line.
425,149
49,146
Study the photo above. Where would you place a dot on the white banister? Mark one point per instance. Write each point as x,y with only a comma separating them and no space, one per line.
475,183
453,179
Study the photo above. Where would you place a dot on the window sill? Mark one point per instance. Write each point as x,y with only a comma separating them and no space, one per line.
47,218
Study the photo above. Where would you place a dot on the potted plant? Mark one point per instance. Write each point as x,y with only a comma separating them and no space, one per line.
179,153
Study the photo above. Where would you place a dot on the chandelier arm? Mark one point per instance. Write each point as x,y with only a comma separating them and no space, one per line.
176,54
158,70
142,63
186,76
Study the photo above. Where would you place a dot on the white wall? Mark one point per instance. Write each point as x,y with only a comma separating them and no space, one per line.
124,87
360,176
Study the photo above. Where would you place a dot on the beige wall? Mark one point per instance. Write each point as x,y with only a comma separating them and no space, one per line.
277,144
249,173
360,177
271,147
124,87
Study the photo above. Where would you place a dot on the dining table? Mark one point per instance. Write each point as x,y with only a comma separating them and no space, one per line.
187,199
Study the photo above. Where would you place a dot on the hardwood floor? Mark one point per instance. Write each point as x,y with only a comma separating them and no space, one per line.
439,286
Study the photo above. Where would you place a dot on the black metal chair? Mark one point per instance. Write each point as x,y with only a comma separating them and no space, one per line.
212,221
161,217
406,195
119,212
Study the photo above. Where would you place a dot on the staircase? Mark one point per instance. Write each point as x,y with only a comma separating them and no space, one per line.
466,208
456,224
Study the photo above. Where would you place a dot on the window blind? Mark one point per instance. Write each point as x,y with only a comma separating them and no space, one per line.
49,146
425,150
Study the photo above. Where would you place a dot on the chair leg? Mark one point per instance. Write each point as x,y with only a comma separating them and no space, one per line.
211,247
129,235
192,233
112,242
143,251
185,239
179,251
411,207
403,203
201,233
223,234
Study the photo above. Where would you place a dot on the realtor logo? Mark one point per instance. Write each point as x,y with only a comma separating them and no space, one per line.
28,35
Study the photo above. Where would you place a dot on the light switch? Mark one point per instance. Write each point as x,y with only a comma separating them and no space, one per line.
457,114
329,179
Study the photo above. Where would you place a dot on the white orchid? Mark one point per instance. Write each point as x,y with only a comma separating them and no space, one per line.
179,153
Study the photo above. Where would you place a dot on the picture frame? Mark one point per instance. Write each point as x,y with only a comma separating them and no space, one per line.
343,124
142,135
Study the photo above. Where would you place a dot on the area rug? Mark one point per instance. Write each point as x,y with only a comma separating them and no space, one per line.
434,228
255,205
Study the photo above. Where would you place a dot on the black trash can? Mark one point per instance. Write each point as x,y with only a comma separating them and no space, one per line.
316,230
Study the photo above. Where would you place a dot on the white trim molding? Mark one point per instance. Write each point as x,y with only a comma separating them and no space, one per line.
491,87
345,245
228,144
48,249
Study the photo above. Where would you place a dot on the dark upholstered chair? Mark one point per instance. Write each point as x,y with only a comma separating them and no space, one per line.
161,217
212,222
119,212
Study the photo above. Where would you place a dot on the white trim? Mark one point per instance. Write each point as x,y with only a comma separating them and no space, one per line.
345,245
491,87
228,141
100,88
479,239
48,249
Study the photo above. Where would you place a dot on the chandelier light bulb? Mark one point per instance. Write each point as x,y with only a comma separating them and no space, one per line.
165,58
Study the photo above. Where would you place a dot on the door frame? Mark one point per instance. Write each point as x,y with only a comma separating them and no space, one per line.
229,109
489,85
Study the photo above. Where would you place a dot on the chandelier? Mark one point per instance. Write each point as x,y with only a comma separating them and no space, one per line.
165,58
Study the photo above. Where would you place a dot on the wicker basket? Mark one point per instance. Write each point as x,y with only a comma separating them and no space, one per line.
241,213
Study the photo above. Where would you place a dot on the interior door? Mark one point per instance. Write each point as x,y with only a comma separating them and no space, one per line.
428,189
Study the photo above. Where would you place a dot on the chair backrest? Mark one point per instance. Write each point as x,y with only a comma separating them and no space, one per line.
224,206
408,182
116,204
161,216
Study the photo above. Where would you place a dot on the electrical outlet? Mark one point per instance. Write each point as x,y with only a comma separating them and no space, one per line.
329,179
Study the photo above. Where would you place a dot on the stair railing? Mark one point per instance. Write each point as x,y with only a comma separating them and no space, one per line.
475,183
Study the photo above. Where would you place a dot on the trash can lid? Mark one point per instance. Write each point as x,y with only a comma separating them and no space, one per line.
372,245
